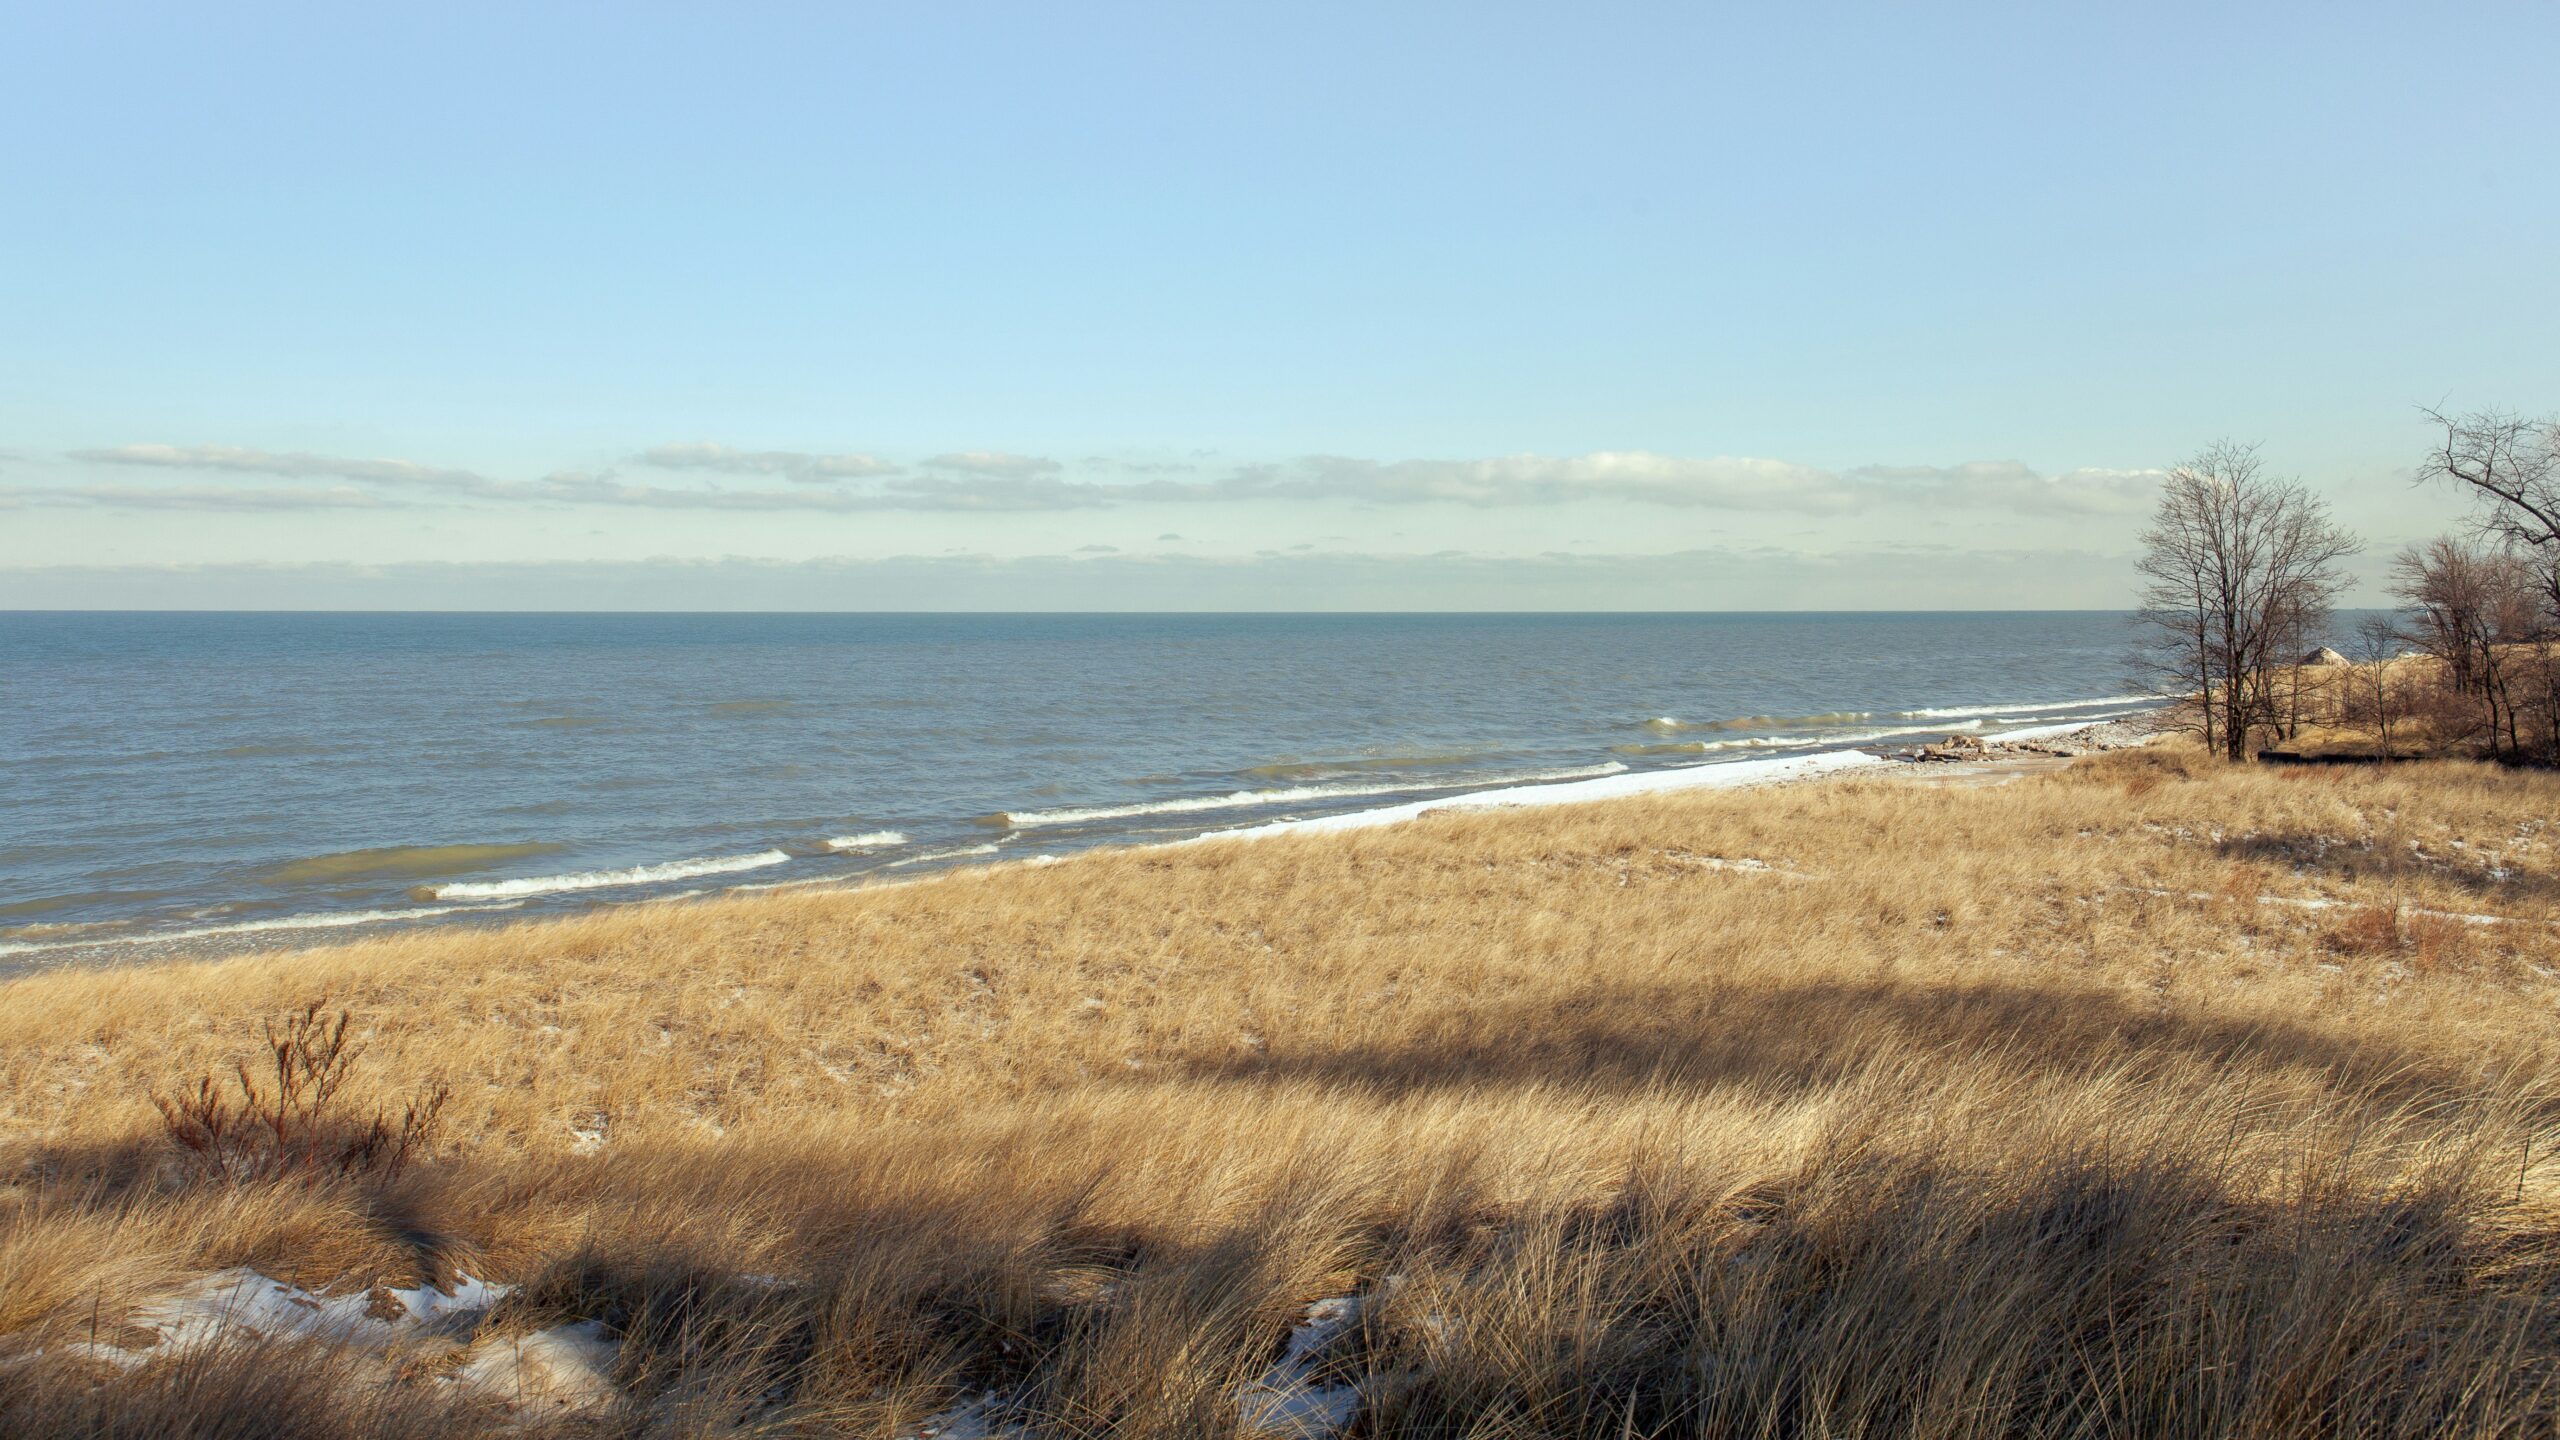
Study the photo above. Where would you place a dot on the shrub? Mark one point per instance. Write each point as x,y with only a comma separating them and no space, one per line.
297,1120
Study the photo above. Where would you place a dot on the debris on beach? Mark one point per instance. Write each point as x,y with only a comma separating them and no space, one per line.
2063,742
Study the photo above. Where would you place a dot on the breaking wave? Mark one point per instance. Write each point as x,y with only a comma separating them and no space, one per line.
336,921
1762,722
603,879
1356,765
1709,747
868,840
1292,795
2024,707
963,852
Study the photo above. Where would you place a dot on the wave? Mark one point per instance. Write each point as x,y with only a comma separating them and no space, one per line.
1790,742
962,853
403,861
1709,747
2026,708
333,921
1762,722
1322,769
814,882
44,904
604,879
2019,708
868,840
1292,795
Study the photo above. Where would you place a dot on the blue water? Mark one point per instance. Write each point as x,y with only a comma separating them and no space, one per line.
208,781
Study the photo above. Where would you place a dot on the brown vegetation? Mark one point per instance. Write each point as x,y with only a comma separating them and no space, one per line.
2153,1097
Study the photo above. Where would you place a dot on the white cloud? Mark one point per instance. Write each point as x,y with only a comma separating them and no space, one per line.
1741,577
996,482
1638,476
910,493
994,464
194,497
2008,485
1642,477
791,465
296,465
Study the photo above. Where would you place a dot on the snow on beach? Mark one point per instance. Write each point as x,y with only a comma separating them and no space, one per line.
1725,776
1296,794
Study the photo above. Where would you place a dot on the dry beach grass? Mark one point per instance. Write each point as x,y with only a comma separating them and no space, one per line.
2141,1098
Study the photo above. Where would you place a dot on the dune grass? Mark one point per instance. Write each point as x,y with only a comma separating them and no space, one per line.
2143,1098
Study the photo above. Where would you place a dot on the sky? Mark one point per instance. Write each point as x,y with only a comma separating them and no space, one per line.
1378,306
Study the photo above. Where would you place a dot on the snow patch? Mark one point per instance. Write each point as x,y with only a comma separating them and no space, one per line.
1287,1403
565,1367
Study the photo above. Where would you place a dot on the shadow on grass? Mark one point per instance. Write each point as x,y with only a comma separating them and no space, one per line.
2326,855
1804,1037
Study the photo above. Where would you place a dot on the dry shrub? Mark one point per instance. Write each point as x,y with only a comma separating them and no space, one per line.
2140,772
2438,942
2366,930
2242,887
298,1120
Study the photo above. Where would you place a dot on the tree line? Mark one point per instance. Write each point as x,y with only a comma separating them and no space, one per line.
2241,570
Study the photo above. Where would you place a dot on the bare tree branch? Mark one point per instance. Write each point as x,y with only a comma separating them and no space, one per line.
2239,572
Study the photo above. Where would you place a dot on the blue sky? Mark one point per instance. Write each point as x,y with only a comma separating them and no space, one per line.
1272,306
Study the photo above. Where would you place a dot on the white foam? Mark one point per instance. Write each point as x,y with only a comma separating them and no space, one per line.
1293,795
868,840
606,879
967,850
1755,742
328,921
2025,707
813,882
1726,775
1807,742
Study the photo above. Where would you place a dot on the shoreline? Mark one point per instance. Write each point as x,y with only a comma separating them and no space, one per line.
1287,1079
283,938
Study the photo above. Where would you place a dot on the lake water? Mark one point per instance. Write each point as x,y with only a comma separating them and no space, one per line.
213,781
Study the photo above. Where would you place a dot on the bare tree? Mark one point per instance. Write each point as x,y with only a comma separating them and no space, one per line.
2380,692
2511,465
2238,567
2481,612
